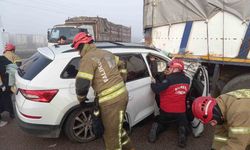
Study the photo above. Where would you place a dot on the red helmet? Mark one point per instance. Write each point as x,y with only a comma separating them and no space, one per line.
202,108
9,47
81,38
176,63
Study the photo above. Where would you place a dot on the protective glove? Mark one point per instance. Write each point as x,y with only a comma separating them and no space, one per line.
2,88
85,104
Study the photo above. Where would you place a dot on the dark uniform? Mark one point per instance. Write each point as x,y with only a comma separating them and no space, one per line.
100,69
5,96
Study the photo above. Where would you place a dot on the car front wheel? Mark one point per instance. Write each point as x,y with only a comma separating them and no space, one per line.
78,126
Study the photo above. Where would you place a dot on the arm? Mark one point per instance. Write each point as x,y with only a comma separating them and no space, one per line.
84,78
239,130
158,87
153,67
122,68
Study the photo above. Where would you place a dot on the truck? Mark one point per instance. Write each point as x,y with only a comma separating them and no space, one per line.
214,33
100,28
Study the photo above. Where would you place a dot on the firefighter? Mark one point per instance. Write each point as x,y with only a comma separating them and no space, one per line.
173,90
230,114
9,53
100,69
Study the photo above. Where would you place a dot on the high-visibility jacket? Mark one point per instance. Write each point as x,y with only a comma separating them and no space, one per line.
102,70
234,134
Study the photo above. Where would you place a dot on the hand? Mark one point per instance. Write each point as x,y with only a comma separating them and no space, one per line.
2,88
167,71
153,80
152,58
83,104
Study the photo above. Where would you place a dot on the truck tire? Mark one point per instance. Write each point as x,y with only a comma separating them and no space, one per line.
78,126
239,82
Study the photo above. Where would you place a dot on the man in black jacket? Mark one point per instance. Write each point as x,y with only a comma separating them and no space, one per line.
5,92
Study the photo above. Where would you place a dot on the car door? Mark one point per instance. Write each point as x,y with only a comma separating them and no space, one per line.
199,83
141,99
199,87
157,65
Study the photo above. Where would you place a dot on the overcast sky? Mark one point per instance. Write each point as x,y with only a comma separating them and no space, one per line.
36,16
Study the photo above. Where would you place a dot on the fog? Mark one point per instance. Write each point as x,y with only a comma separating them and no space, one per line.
36,16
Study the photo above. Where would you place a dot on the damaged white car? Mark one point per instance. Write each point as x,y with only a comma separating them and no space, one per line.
46,102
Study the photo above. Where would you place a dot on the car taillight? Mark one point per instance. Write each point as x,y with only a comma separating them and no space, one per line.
39,95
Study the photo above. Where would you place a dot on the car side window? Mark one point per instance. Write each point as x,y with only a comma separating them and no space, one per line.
156,64
136,66
71,69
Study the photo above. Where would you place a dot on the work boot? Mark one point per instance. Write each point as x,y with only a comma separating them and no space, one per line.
153,133
182,139
3,123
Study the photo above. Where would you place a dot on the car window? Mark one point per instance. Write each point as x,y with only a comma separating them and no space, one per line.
160,63
33,66
136,66
71,69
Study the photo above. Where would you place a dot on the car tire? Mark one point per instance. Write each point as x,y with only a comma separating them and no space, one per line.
78,126
239,82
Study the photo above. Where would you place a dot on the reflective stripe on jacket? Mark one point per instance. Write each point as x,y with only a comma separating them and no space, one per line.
101,68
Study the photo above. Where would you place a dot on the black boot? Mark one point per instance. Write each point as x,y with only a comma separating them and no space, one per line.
153,132
182,139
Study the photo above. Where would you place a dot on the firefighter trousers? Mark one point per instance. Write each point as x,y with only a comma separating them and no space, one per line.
115,137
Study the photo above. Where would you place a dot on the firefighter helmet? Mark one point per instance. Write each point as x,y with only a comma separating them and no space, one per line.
176,63
202,108
9,47
81,38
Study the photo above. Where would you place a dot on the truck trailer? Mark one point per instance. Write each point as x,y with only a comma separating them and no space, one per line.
215,33
100,28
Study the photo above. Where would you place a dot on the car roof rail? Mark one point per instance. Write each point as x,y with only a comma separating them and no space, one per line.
111,44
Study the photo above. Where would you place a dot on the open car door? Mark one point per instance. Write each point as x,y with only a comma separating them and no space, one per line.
199,87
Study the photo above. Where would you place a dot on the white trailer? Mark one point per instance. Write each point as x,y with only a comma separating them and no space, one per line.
215,33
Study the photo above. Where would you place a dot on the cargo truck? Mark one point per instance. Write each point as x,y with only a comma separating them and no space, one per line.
100,28
215,33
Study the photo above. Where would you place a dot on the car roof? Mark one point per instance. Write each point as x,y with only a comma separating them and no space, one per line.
117,47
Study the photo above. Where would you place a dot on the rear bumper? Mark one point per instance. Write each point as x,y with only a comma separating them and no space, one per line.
39,130
47,131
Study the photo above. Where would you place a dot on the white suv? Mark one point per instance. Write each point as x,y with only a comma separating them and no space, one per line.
46,102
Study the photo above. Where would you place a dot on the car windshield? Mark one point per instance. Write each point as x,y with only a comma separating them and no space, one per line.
33,65
68,32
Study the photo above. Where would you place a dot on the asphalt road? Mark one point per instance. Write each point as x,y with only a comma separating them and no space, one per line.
13,138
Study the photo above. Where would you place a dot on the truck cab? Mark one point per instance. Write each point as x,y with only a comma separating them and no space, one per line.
69,31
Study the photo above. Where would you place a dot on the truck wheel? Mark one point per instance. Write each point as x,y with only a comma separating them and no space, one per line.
239,82
78,126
